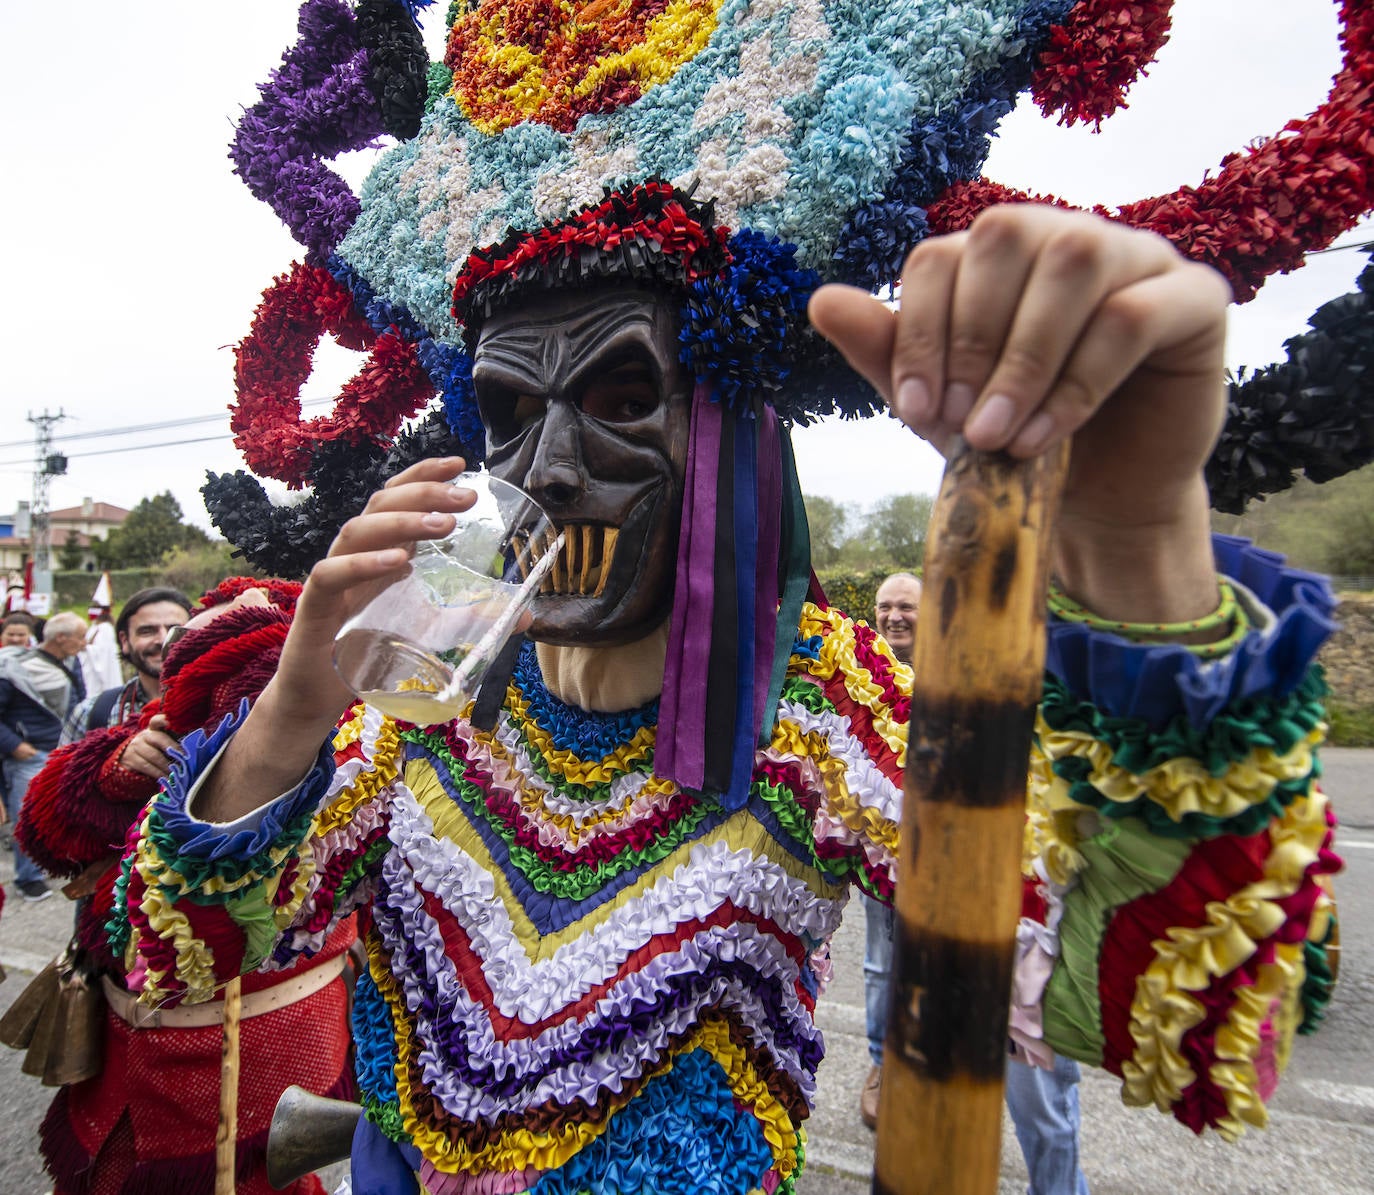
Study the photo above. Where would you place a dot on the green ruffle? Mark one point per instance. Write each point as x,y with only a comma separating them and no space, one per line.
1126,860
362,866
796,823
1075,770
582,881
197,873
1278,723
386,1115
808,694
1320,983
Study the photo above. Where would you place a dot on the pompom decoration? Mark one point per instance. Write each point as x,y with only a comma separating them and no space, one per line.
1311,414
276,357
652,234
737,327
287,540
397,65
317,105
1269,205
1095,56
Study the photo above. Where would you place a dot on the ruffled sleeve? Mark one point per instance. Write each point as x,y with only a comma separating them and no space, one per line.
196,902
1178,854
845,709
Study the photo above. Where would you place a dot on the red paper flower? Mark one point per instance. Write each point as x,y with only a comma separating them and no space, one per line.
276,357
1269,205
1095,55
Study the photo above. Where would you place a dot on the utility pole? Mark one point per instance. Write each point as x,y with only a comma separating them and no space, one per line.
47,464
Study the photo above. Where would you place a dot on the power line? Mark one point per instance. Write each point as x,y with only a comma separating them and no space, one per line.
134,429
132,448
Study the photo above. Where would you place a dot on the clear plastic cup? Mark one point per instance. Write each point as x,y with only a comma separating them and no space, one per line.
419,650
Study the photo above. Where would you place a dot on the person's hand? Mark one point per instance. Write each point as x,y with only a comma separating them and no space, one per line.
369,553
1039,324
24,751
148,752
298,708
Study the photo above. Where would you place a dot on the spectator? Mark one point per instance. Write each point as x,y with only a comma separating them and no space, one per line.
141,630
38,688
16,630
895,607
100,657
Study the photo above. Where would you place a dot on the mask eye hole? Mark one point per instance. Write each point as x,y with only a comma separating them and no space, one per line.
507,413
625,394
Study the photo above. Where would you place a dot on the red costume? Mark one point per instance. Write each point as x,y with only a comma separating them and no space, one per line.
146,1124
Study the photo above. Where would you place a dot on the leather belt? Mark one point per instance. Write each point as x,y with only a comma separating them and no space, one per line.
126,1007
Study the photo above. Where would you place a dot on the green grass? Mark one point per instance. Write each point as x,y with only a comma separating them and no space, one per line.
1351,725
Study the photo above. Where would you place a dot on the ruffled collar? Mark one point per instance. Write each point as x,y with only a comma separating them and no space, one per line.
586,733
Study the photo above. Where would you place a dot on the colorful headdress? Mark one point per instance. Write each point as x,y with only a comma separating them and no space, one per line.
736,153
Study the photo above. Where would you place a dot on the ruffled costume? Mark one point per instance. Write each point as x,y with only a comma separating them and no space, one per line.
586,977
147,1122
595,941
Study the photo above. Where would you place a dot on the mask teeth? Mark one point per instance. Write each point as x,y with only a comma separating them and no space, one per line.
609,536
522,557
581,567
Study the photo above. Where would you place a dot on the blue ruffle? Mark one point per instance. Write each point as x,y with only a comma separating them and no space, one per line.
588,734
683,1134
206,840
374,1042
1158,682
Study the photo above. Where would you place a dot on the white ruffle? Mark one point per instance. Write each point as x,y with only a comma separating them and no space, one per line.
532,989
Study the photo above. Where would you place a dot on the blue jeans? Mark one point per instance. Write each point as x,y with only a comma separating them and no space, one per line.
1044,1112
18,774
877,965
1043,1104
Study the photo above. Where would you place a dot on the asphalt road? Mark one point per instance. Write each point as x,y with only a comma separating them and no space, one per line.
1320,1139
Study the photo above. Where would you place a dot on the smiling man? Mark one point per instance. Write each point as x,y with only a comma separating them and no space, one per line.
141,627
894,613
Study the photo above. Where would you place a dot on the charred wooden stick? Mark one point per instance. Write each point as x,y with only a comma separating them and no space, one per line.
979,660
227,1134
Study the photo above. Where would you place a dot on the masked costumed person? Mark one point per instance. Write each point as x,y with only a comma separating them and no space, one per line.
147,1118
596,913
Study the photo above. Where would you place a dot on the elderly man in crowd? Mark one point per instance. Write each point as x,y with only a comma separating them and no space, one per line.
38,688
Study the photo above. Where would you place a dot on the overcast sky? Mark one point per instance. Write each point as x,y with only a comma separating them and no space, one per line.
136,258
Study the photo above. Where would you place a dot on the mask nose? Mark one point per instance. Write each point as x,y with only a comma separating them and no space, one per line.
557,477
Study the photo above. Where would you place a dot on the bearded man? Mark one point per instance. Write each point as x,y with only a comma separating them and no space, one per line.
141,631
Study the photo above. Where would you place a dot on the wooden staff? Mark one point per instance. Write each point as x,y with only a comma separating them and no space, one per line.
979,659
227,1134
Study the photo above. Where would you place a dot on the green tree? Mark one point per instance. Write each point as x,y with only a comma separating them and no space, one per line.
896,529
154,528
199,567
829,522
69,557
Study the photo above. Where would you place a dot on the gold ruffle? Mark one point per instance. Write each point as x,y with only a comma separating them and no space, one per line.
837,655
1179,786
386,756
1162,1011
864,820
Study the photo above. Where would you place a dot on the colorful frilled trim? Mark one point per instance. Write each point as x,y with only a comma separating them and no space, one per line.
736,151
580,972
1157,683
1178,849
